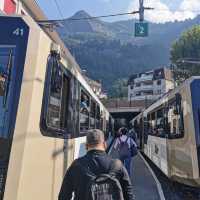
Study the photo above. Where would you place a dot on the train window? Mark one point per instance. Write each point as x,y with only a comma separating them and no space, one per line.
175,119
98,117
55,101
65,102
92,114
167,121
107,130
156,123
160,123
102,127
174,128
153,116
158,82
84,111
6,65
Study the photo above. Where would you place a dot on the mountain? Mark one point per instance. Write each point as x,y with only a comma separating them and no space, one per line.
84,26
109,50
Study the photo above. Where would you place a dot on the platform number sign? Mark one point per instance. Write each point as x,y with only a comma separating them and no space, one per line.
141,29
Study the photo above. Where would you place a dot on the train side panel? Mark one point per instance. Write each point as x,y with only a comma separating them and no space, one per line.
37,162
40,171
156,150
182,151
174,141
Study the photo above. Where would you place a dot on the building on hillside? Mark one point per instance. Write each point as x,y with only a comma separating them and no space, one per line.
150,85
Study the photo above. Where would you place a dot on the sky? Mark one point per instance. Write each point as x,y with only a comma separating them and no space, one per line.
165,10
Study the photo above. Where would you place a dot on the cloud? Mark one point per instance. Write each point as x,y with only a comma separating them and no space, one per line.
162,13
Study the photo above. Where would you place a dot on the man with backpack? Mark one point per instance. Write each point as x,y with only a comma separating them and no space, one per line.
96,176
126,147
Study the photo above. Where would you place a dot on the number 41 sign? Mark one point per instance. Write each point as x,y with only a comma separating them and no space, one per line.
141,29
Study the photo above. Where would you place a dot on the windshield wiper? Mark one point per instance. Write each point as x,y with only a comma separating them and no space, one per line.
8,74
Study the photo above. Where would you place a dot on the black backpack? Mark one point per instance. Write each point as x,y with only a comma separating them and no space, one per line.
103,187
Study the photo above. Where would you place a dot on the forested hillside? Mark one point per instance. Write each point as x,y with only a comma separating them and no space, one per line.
109,51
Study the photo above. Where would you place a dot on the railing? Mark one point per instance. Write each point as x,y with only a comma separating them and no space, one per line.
147,97
144,87
124,103
144,78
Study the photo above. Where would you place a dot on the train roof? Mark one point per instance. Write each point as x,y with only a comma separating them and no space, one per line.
166,97
171,93
37,14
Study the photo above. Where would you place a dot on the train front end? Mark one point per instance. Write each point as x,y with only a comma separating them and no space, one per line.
195,97
13,43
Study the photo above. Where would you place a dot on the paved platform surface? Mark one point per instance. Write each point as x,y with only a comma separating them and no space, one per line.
144,184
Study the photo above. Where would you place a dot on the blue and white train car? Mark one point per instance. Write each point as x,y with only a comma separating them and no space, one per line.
169,132
46,108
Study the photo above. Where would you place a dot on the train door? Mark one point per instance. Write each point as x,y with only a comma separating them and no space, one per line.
13,42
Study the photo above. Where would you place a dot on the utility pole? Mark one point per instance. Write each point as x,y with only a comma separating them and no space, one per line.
53,24
142,9
141,27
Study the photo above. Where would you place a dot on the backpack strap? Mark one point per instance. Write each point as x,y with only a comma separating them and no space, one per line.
127,139
129,144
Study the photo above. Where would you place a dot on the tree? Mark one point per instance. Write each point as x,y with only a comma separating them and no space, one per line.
186,48
119,88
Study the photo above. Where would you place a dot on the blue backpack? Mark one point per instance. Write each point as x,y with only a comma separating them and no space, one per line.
124,149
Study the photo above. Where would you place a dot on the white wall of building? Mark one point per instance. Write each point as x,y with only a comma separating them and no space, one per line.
158,87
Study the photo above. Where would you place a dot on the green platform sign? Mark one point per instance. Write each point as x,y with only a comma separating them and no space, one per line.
141,29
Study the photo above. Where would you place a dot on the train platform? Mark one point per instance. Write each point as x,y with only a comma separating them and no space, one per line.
145,184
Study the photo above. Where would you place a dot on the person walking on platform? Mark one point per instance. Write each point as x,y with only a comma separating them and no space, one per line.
96,175
126,147
132,133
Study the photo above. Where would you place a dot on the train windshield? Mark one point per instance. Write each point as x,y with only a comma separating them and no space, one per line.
55,99
6,65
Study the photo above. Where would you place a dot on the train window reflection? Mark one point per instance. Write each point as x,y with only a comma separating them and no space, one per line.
57,109
54,104
92,114
165,122
176,119
84,111
98,117
6,65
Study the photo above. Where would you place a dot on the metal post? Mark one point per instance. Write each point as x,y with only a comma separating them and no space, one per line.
130,100
141,10
173,73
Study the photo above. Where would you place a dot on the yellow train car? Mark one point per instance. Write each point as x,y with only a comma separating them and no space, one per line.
46,108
